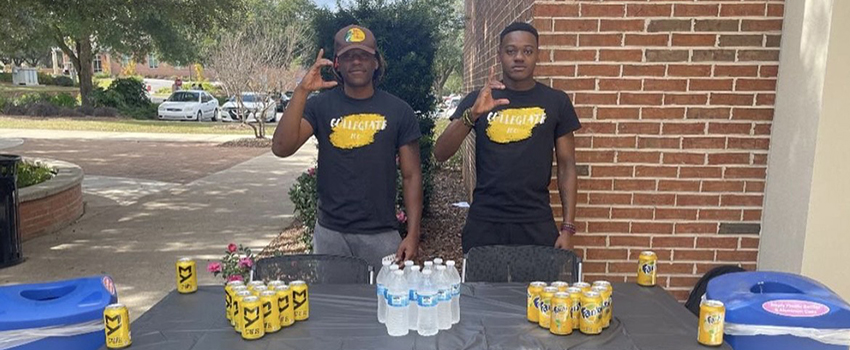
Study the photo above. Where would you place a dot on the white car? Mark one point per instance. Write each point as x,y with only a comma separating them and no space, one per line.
255,103
450,107
189,105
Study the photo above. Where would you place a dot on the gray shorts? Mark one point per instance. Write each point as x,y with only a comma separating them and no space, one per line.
369,247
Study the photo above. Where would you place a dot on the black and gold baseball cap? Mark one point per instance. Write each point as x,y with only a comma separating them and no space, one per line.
354,37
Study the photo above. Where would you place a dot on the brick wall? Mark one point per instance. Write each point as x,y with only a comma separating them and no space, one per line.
676,98
49,214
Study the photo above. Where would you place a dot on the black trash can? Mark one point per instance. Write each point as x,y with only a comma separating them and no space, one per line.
10,222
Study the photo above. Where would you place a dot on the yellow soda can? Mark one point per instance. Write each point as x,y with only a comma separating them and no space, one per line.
116,323
584,286
271,312
561,285
253,284
274,284
228,297
712,314
300,300
545,317
284,305
591,313
237,306
575,305
562,322
607,304
259,289
604,294
187,277
533,309
646,269
252,318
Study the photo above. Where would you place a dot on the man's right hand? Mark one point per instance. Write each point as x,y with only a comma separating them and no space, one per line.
313,81
485,102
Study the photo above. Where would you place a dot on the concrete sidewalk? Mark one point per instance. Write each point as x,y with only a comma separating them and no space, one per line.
108,135
138,243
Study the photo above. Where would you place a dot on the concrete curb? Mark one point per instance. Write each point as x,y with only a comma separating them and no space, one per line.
67,176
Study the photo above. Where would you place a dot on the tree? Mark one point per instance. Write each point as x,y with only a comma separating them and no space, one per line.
20,39
407,32
263,55
449,57
176,30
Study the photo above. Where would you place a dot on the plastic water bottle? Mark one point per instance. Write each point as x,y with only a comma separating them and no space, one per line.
427,300
428,265
381,282
407,265
454,278
438,261
398,297
414,278
444,307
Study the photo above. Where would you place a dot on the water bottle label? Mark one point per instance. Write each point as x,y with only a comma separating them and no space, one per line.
382,291
398,300
456,289
427,300
445,294
413,295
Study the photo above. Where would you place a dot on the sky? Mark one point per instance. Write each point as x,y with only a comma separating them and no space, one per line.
326,3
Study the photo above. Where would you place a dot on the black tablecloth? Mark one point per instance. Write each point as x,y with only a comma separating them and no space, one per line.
344,317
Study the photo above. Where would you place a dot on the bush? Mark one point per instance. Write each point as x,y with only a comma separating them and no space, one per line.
4,101
163,91
63,81
29,99
131,91
305,197
146,112
64,100
85,110
102,75
68,112
42,109
5,77
33,173
15,110
45,79
105,112
106,98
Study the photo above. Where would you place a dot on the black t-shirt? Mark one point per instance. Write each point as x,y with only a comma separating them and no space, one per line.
514,146
358,145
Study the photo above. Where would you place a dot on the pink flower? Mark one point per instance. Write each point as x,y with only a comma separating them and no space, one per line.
231,247
402,218
214,267
245,263
311,171
234,278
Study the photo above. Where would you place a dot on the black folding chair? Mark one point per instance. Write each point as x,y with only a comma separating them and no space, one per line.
526,263
314,269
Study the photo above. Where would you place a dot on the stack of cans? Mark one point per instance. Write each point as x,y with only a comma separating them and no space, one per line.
257,309
561,309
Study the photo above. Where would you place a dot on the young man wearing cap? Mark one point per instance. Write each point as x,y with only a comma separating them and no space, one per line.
360,130
517,122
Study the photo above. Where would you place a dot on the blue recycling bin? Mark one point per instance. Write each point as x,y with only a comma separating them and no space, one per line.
65,315
781,311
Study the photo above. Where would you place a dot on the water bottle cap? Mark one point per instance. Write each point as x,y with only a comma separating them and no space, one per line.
393,267
408,263
438,261
450,263
415,267
429,263
386,262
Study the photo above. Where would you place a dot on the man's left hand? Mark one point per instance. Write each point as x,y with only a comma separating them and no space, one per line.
564,241
408,249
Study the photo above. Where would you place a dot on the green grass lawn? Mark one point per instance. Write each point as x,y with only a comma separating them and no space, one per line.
127,125
7,89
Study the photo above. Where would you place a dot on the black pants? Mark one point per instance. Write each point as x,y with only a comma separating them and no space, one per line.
478,233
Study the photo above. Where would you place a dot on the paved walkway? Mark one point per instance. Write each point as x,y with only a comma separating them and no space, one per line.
135,230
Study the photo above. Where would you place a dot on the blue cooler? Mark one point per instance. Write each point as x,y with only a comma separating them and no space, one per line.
779,311
66,315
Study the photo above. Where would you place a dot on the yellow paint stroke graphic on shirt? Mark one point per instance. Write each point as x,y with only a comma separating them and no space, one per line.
356,130
512,125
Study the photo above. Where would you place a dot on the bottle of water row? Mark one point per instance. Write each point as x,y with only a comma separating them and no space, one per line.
414,279
398,298
427,300
381,281
428,265
444,289
454,278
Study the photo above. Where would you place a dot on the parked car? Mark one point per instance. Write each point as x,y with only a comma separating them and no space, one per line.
189,105
255,103
450,107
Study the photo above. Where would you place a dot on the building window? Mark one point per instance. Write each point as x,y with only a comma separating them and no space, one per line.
97,64
125,60
153,62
